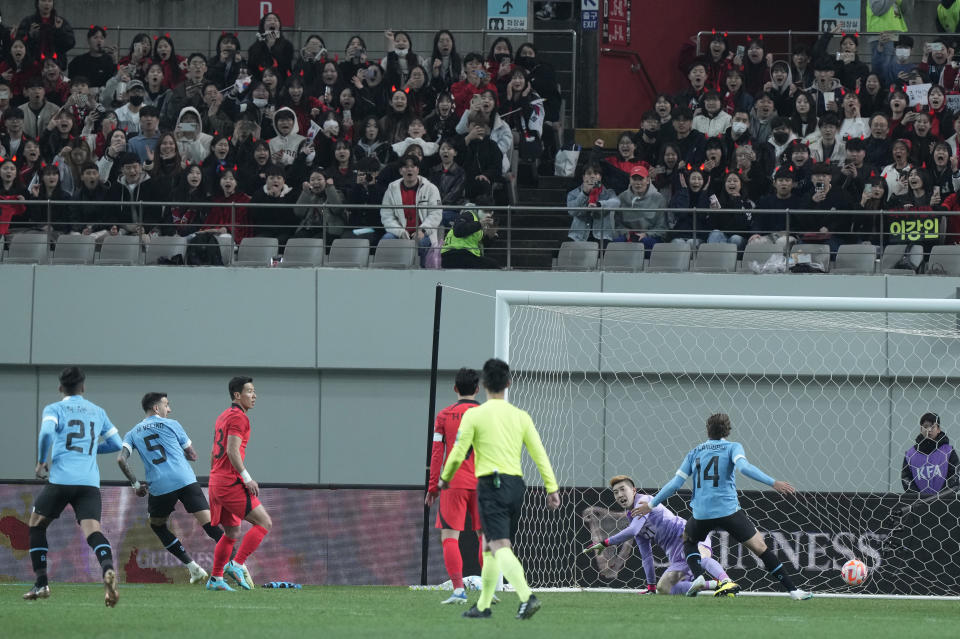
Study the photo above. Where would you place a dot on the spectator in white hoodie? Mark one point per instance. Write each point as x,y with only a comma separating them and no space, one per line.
284,147
192,142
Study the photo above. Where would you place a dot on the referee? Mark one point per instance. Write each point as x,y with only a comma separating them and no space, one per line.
497,432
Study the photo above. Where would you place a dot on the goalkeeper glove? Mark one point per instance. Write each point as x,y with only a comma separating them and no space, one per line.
651,589
596,548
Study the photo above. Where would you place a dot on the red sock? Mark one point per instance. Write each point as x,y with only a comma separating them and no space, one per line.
250,543
221,555
453,561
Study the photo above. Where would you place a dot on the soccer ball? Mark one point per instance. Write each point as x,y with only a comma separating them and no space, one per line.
854,572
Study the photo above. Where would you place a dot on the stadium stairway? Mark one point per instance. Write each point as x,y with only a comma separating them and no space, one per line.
537,234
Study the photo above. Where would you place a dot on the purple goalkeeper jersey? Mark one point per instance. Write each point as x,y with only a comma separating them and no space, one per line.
661,526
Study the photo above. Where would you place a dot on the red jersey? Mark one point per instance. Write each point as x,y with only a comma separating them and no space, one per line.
444,435
233,421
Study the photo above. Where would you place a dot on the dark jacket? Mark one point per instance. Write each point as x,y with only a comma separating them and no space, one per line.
96,217
449,182
927,446
276,221
833,219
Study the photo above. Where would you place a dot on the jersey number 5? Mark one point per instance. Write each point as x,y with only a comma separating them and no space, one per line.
714,465
150,441
79,434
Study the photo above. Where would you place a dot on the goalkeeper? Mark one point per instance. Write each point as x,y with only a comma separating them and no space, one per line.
663,527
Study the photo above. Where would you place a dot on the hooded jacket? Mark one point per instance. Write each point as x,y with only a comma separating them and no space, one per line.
197,149
931,463
289,144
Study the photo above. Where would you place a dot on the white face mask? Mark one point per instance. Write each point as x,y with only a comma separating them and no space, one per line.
902,53
738,127
402,52
260,102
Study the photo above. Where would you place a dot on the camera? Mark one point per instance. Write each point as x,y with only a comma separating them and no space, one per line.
741,50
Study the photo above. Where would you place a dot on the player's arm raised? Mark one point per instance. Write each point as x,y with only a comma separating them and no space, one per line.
233,454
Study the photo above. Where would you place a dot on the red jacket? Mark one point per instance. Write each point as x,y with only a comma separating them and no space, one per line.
463,91
224,216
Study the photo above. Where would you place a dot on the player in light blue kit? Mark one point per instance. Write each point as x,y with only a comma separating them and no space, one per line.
69,430
664,528
715,504
166,452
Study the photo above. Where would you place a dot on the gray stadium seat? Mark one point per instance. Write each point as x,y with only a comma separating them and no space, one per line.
303,251
944,260
227,247
349,252
715,258
624,257
3,239
817,252
667,257
855,259
578,256
758,252
257,251
119,250
165,246
396,253
29,248
74,249
892,254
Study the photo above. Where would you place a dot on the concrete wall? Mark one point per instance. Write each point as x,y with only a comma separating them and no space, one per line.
341,362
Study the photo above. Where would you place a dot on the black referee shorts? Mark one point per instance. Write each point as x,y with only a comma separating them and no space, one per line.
53,498
191,496
500,507
738,525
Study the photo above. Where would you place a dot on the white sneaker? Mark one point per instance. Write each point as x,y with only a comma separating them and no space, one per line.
459,596
800,595
197,573
698,584
247,577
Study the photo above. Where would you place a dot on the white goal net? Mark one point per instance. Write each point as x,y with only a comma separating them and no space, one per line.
827,395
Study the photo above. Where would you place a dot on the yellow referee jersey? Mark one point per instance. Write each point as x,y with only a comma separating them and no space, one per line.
498,430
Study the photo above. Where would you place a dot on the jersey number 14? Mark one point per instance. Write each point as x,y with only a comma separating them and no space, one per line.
711,472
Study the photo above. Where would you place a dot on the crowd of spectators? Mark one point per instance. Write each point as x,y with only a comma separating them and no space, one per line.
318,126
823,129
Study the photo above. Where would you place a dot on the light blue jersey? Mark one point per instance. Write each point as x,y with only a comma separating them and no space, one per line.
69,430
160,443
711,466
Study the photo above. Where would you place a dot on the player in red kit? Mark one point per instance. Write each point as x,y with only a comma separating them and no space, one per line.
461,497
233,492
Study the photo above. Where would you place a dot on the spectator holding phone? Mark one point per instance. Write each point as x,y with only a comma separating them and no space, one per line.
891,58
850,70
97,64
935,66
271,50
475,81
499,62
599,219
47,33
224,68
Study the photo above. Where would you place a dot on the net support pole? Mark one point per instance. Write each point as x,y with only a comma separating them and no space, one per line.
434,356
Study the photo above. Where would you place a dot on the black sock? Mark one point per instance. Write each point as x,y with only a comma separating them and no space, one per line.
101,548
776,570
692,552
38,554
171,543
213,532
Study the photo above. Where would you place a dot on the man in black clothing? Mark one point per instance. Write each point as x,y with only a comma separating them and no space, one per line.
834,202
278,221
131,188
689,141
369,190
855,171
96,65
648,139
783,198
13,137
90,219
482,158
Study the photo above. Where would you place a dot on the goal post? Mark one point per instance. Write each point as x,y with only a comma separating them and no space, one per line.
824,392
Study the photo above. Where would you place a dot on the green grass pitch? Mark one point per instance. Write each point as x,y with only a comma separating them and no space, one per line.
181,611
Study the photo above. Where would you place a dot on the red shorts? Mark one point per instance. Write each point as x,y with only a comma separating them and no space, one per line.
229,505
455,503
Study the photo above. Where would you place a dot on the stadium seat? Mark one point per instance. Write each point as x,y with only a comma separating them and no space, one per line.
74,249
758,252
624,257
855,259
578,256
892,254
303,251
944,260
3,239
227,248
396,253
166,247
257,251
29,248
349,252
715,258
667,257
119,250
818,253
